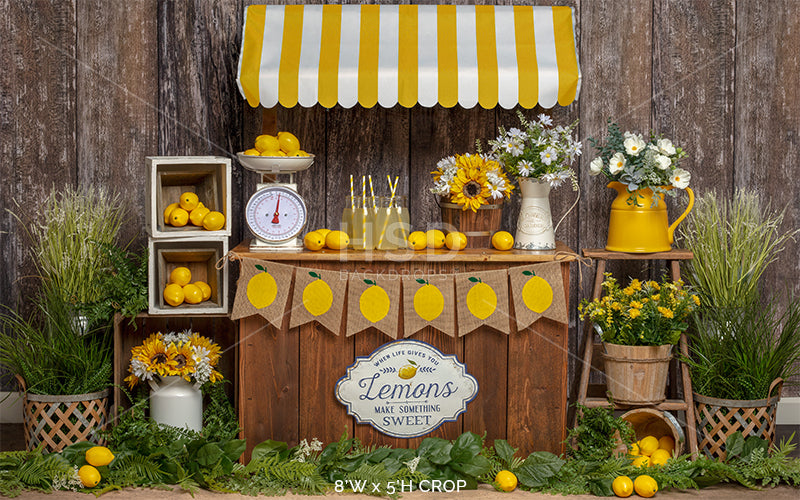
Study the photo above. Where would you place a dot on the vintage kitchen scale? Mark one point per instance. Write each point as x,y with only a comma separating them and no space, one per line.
276,213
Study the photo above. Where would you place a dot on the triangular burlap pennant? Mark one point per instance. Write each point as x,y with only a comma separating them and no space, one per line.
262,288
538,290
428,300
318,296
482,300
373,300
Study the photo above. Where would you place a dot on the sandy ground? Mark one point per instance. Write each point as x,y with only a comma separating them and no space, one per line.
484,492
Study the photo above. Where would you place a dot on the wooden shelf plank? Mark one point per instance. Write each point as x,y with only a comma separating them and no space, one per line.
602,253
669,404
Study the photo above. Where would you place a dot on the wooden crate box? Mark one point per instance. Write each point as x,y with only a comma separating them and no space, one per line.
200,256
170,176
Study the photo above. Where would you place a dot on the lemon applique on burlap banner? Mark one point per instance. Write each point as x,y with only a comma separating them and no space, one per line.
374,302
262,289
537,294
428,301
317,296
481,299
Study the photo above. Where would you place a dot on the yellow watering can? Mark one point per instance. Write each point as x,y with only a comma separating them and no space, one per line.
644,228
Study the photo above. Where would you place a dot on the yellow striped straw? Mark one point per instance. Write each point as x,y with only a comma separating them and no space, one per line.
352,198
363,212
372,192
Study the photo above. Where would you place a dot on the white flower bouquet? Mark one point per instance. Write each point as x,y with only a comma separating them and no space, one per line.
628,159
538,150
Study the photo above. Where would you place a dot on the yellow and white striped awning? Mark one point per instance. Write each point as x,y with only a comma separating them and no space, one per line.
408,54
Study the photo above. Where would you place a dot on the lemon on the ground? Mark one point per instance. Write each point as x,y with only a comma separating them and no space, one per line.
99,456
288,142
90,477
407,371
428,301
645,486
262,289
178,217
252,152
168,211
314,241
337,240
173,294
317,296
374,302
502,240
434,238
641,461
666,443
647,445
481,299
537,294
634,450
323,231
189,201
267,143
213,221
659,457
192,294
197,215
205,288
622,486
417,240
506,480
180,275
455,240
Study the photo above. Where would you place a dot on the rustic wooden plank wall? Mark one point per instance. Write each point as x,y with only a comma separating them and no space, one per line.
90,88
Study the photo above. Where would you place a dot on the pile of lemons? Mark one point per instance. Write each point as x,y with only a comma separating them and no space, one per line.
325,238
191,210
454,240
180,288
96,456
646,452
284,144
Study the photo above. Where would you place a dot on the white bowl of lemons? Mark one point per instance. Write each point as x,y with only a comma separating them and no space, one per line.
276,154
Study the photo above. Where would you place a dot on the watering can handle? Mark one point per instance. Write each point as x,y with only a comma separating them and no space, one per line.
577,199
671,229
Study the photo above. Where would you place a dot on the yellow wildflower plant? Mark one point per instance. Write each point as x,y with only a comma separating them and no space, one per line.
642,313
183,354
471,181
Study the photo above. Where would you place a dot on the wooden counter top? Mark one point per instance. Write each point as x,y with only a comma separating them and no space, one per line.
562,253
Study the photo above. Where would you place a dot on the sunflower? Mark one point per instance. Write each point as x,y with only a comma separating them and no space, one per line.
153,354
181,360
204,345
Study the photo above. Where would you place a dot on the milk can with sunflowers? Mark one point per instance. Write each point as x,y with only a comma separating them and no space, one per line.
175,365
538,156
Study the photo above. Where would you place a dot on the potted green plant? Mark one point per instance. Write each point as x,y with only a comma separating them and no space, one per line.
742,344
639,324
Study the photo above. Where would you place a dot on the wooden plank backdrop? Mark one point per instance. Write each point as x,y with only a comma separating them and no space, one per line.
89,88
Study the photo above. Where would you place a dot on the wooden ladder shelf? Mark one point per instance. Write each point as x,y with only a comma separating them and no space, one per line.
673,258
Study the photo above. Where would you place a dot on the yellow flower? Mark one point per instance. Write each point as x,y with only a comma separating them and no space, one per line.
654,285
667,313
636,284
636,304
181,360
616,306
469,189
634,313
628,291
198,341
696,300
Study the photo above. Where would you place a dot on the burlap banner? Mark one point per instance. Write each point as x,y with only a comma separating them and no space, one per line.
263,288
538,291
318,296
373,300
429,300
482,300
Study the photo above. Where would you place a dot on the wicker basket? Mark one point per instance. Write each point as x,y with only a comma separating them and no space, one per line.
650,422
477,226
717,419
55,422
637,374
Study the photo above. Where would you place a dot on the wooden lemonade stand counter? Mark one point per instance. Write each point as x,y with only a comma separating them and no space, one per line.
287,376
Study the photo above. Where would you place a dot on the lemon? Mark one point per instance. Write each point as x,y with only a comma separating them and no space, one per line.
481,300
267,143
99,456
434,238
262,289
168,212
205,288
323,231
659,457
317,296
337,240
502,240
455,240
180,275
537,293
374,302
622,486
428,301
417,240
407,371
634,450
272,152
197,215
666,443
647,445
213,221
178,217
506,480
189,201
173,294
192,294
288,142
641,461
314,241
252,152
645,486
90,477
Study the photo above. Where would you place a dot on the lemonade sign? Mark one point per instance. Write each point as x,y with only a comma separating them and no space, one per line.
406,389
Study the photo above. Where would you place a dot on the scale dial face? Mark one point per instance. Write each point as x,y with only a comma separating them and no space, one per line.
276,214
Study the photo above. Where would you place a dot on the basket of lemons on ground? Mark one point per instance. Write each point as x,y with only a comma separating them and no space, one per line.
180,288
190,210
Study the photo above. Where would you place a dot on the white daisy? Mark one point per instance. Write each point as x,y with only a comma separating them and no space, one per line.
616,163
545,120
634,145
663,162
596,166
666,146
680,178
548,155
525,168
